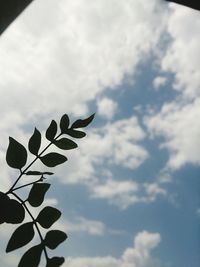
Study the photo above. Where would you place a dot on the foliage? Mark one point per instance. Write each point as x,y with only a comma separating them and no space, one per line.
13,207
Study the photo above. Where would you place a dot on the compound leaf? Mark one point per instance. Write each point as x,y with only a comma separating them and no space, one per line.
16,155
21,236
32,257
51,131
55,262
48,216
53,238
64,123
65,143
35,142
82,123
37,193
53,159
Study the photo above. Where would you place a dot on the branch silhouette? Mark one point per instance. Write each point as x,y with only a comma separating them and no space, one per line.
13,209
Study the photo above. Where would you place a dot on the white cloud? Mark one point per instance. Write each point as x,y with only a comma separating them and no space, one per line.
107,107
115,143
153,190
177,121
159,82
127,192
9,260
182,55
120,193
180,126
137,256
67,56
81,224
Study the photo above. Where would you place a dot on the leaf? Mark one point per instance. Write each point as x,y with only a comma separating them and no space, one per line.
16,155
75,133
53,238
48,216
65,143
32,257
21,236
3,203
37,193
51,131
15,212
64,123
55,262
53,159
35,142
38,173
83,123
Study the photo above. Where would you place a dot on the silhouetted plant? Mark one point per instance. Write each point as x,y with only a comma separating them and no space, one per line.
12,210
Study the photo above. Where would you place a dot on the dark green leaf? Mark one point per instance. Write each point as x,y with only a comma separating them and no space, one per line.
55,262
35,142
21,236
3,203
82,123
65,143
37,193
38,173
54,238
16,155
15,212
64,123
32,257
51,131
75,133
53,159
48,216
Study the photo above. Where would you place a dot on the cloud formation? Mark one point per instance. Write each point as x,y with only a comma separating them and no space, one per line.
181,57
62,66
179,125
137,256
107,108
177,121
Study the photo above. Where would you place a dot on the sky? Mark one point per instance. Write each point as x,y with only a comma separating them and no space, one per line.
129,194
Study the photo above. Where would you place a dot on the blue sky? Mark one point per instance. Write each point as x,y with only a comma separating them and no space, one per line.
130,193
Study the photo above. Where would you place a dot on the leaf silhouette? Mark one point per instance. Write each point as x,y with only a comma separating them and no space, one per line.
76,133
82,123
37,193
65,143
64,123
51,131
48,216
3,203
21,236
35,142
54,238
53,159
55,262
14,212
16,155
38,173
32,257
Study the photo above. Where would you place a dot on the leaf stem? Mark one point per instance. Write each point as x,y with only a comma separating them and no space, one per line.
35,223
39,180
